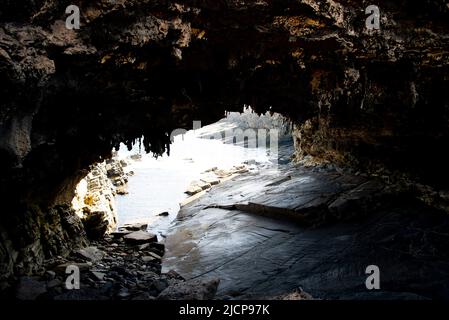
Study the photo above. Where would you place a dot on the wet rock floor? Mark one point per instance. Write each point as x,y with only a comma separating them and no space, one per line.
269,233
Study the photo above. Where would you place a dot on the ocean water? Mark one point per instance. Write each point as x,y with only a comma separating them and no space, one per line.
158,185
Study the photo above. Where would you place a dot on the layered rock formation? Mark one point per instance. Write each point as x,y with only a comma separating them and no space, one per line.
142,68
94,200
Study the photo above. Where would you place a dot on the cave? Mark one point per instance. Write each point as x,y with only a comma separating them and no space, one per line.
369,115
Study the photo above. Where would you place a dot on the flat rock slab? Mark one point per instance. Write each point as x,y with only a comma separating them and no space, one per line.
258,257
140,237
92,254
211,180
193,189
134,227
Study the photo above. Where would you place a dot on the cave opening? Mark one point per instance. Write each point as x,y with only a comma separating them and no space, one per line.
151,189
143,192
360,182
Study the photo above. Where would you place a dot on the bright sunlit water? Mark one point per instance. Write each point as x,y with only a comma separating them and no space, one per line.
159,184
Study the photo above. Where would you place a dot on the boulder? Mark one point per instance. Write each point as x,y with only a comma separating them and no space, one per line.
136,157
193,189
134,227
96,224
222,173
172,274
123,163
140,237
158,246
203,185
211,180
122,190
114,169
90,254
148,259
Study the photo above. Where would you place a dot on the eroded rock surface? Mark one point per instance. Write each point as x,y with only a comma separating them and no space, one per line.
143,68
94,200
270,234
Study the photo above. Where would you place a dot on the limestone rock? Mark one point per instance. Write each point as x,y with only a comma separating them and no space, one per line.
222,173
134,227
148,258
155,256
90,254
122,190
136,157
193,189
368,97
96,224
95,194
114,169
140,237
211,180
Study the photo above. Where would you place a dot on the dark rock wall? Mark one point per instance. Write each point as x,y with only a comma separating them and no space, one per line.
144,68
